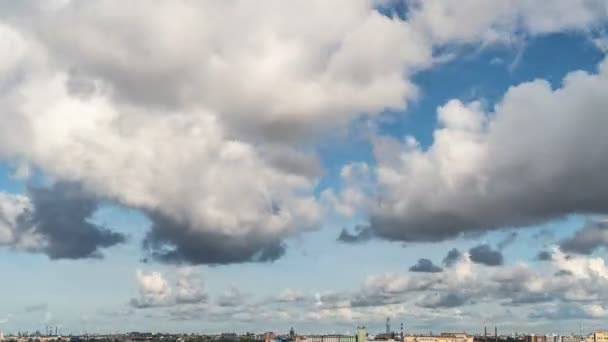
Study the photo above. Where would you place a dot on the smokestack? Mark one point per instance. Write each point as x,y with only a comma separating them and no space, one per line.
485,334
496,333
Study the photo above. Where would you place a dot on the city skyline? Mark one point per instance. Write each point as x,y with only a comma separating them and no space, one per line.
217,166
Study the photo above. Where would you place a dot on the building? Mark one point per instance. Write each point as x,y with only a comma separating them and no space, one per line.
444,337
600,336
332,338
229,336
536,338
570,338
269,337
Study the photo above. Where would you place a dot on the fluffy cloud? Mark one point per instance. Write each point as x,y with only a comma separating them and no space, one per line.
12,233
54,221
291,296
476,177
168,125
466,283
155,291
178,167
591,237
390,288
471,20
188,287
326,69
459,292
357,189
203,123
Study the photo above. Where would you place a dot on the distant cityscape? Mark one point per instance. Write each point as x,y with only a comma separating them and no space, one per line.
360,335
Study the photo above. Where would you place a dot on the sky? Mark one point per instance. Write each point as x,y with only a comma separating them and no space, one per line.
232,166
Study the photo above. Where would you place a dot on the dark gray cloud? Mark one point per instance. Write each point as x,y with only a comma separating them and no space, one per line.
173,242
425,266
563,273
433,228
375,299
452,257
293,161
332,299
544,256
484,254
443,300
361,234
523,297
592,236
61,214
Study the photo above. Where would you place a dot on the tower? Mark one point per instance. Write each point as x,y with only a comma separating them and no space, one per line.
388,325
361,334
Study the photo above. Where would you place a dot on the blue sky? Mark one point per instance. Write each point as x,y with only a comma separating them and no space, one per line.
263,178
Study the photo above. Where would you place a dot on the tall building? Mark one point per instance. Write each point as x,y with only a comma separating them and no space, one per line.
361,334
